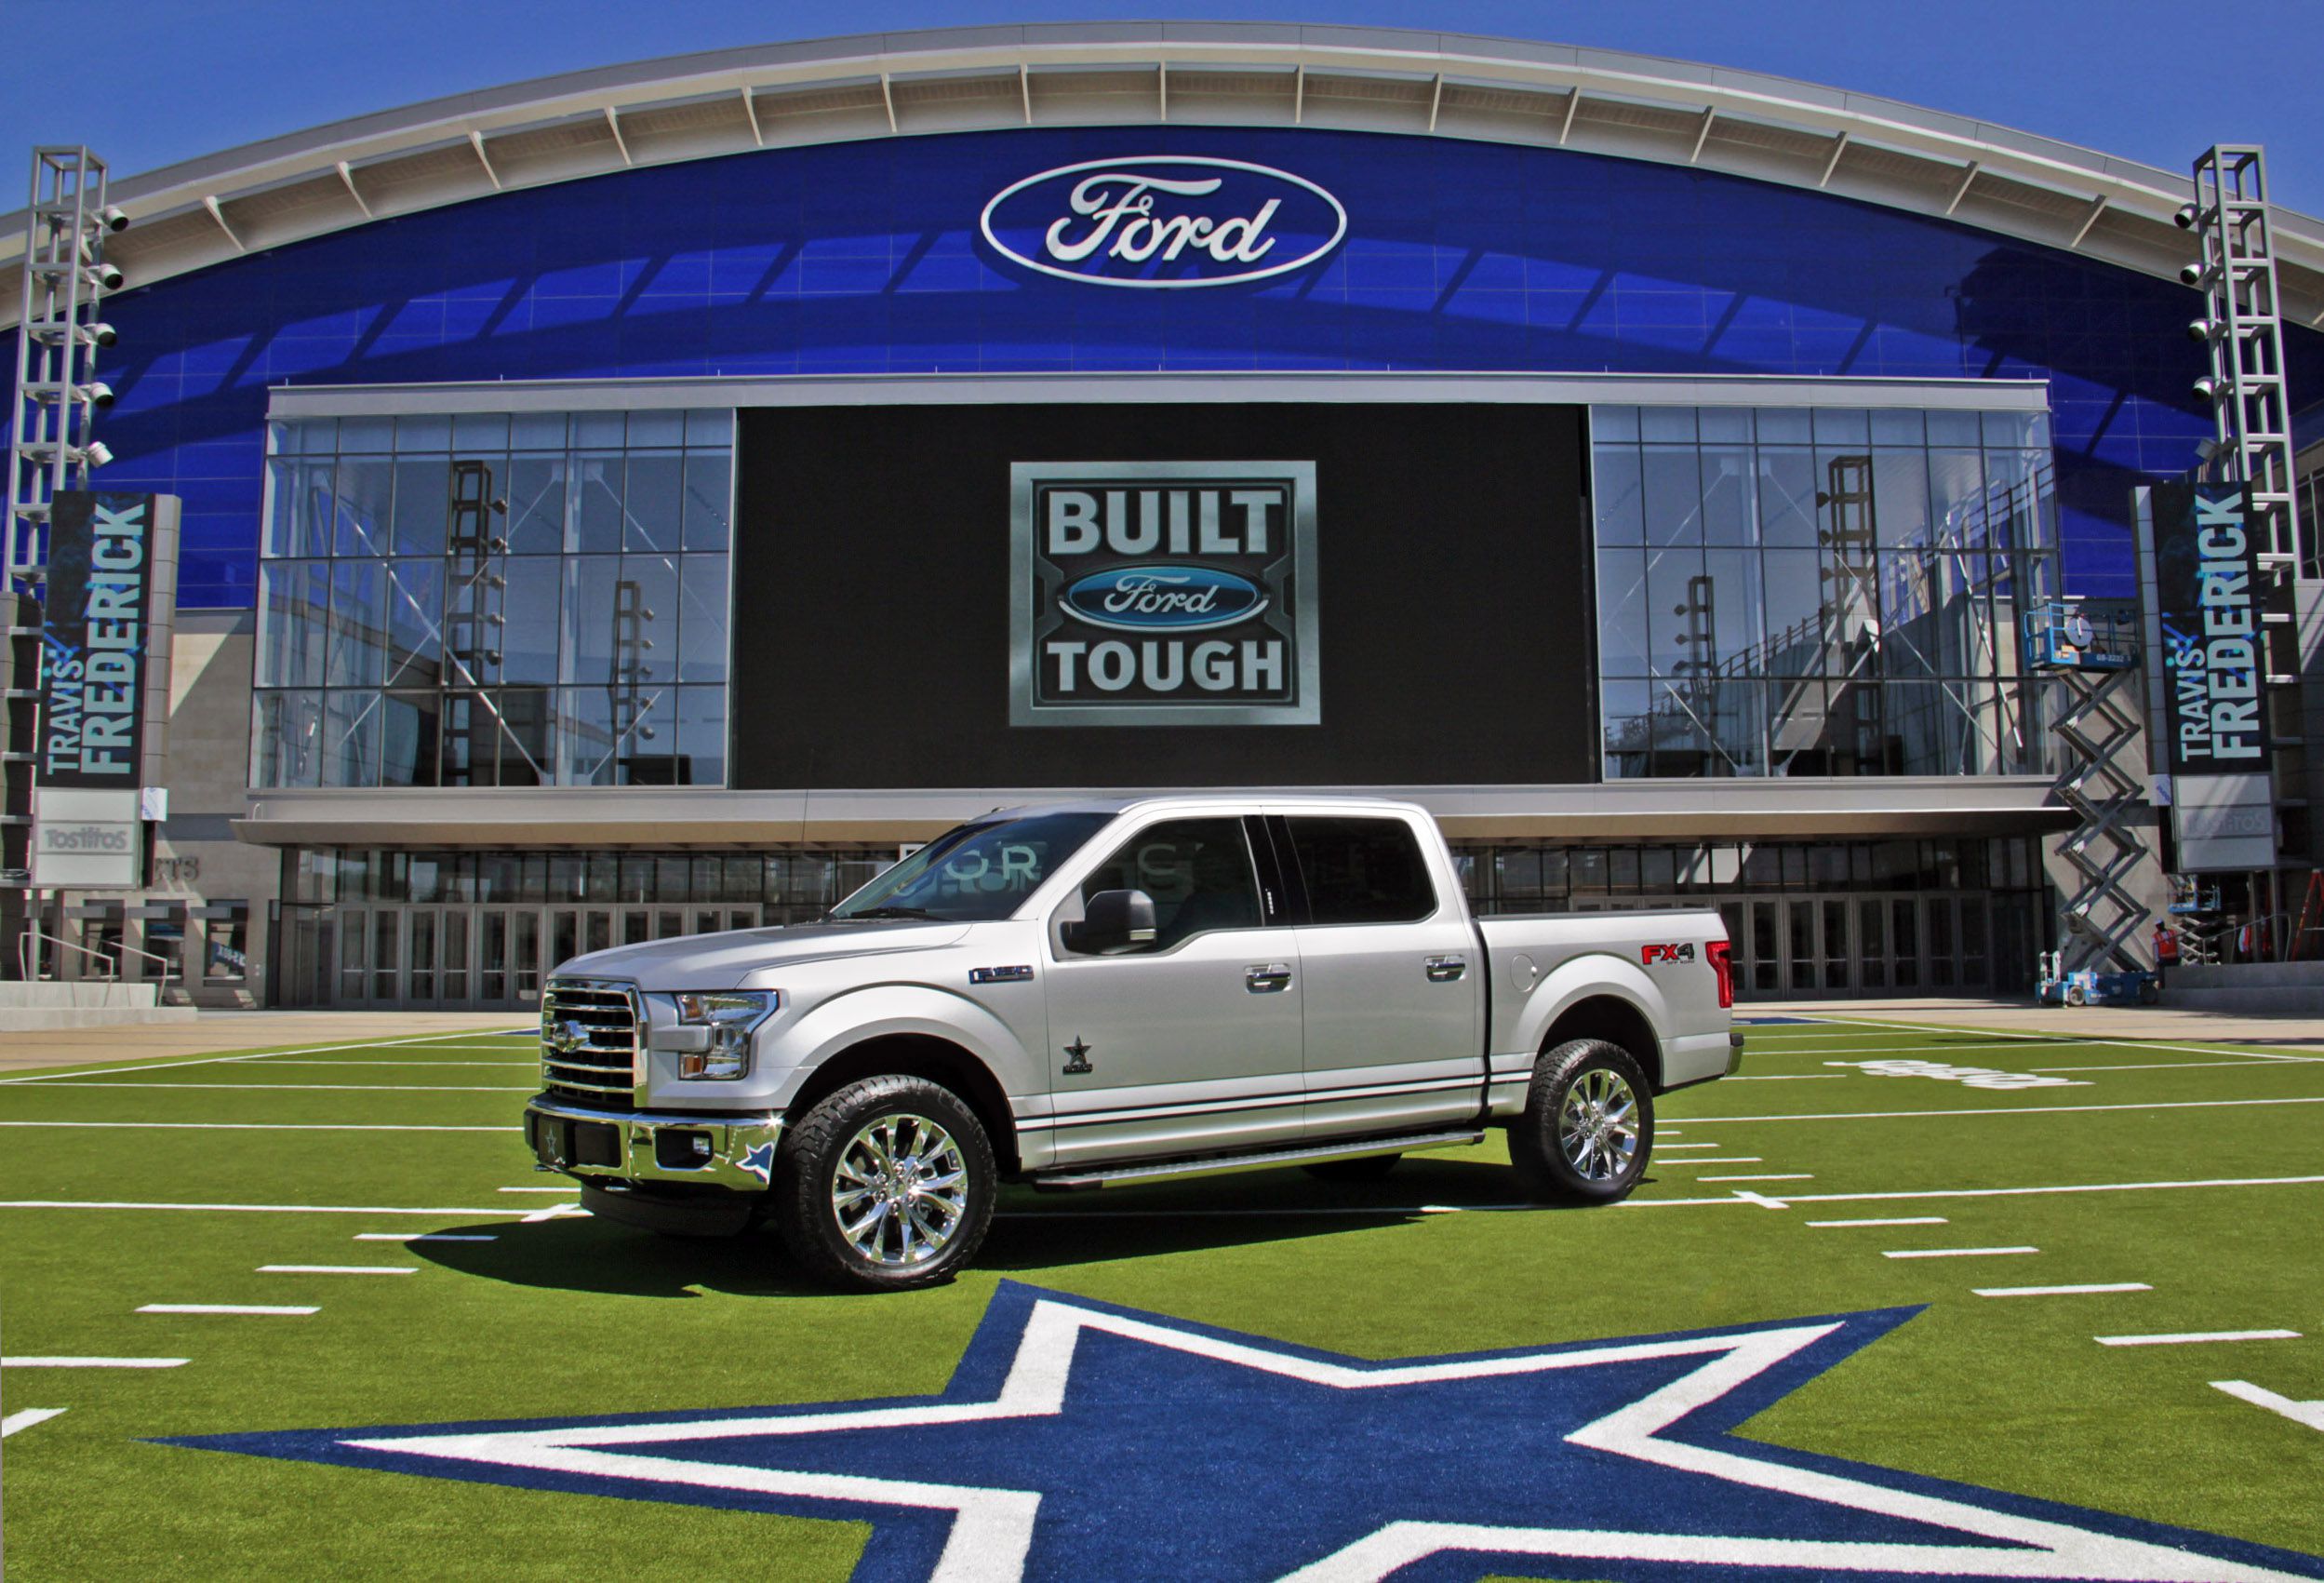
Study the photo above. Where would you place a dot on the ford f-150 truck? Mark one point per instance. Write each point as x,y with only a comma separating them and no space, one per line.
1102,993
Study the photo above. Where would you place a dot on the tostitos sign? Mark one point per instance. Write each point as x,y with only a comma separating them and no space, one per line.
1164,222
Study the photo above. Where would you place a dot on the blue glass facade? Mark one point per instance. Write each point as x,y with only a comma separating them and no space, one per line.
864,257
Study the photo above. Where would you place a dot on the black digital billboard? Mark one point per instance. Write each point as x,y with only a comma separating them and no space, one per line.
1162,595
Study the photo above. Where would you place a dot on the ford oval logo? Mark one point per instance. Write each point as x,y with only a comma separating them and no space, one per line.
1154,597
1164,221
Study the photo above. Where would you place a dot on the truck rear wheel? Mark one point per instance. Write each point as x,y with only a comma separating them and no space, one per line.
1588,1125
886,1184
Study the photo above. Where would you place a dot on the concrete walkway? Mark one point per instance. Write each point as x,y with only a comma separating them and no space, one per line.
2164,1022
216,1033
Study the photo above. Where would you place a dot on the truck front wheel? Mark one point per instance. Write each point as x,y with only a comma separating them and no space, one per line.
1588,1125
885,1185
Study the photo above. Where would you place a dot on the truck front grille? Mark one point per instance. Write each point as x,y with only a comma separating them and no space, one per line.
589,1042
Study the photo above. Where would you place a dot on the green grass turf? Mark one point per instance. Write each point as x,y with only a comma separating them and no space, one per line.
567,1316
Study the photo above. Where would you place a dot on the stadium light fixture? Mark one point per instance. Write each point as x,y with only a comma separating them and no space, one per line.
2187,217
2204,331
2207,389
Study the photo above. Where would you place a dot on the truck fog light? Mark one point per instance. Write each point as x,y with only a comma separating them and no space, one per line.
731,1016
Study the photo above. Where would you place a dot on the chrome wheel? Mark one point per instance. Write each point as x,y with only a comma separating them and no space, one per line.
1597,1125
899,1190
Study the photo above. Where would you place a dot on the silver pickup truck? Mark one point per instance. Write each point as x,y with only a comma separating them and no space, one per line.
1095,994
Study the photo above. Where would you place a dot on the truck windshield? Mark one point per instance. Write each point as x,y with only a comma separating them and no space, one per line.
976,872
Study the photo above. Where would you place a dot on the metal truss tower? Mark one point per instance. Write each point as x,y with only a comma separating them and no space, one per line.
57,395
2236,274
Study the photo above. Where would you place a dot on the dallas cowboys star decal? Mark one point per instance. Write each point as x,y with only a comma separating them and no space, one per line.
1079,1441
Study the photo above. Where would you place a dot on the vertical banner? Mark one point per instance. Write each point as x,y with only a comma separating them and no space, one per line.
107,611
2217,746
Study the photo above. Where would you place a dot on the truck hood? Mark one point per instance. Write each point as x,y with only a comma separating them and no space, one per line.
722,962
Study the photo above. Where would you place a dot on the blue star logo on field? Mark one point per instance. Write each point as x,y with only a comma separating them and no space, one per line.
1080,1441
760,1161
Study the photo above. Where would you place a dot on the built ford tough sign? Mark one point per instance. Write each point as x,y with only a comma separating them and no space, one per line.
1102,993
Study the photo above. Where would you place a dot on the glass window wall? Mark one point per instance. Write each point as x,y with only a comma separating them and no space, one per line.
1820,592
496,600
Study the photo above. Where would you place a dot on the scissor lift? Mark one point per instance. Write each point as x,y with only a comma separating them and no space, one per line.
2094,656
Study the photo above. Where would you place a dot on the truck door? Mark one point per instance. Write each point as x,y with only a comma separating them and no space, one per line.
1394,978
1192,1043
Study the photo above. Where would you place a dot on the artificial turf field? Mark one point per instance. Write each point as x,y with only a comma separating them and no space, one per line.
2193,1172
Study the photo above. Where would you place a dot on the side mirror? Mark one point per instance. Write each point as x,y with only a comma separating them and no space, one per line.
1111,921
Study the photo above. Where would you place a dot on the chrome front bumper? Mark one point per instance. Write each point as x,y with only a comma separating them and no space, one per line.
735,1151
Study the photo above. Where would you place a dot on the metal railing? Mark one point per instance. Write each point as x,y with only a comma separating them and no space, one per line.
27,960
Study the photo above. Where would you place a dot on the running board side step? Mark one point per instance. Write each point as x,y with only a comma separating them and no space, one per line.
1220,1164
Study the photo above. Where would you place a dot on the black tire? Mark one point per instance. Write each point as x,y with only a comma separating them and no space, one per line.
2149,992
808,1185
1560,1147
2077,996
1368,1168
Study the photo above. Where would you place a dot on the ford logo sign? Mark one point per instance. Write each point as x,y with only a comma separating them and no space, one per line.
1151,597
1164,221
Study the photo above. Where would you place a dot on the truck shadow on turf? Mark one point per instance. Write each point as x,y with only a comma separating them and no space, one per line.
1031,1231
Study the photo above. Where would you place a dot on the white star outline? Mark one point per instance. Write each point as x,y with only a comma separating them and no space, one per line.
993,1529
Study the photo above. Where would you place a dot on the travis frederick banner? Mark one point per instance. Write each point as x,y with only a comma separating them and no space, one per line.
98,630
2207,588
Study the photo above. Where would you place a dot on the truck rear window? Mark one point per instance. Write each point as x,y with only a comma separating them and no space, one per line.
1361,870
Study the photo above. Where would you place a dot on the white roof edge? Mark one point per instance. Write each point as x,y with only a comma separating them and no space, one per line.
2128,188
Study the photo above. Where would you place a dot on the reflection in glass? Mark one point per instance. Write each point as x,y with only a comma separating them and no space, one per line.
1837,611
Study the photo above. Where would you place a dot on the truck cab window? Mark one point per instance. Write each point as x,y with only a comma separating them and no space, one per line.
1198,871
1361,870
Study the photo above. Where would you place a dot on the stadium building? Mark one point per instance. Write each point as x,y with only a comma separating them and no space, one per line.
637,503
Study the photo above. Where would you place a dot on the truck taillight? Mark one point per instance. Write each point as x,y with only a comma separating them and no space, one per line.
1722,964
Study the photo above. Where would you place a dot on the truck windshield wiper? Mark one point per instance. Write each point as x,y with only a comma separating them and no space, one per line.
882,912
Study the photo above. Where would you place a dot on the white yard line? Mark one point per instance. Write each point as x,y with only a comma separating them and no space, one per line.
26,1418
228,1308
305,1088
1789,1078
1951,1253
2061,1291
407,1066
1660,1144
1717,1160
2247,1063
92,1362
2003,1110
241,1208
554,1212
425,1237
2308,1413
1895,1048
2194,1337
247,1055
2075,1039
566,1190
1788,1177
1895,1220
275,1126
338,1269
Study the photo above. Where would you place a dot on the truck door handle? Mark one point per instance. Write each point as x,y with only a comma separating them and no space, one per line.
1444,970
1266,978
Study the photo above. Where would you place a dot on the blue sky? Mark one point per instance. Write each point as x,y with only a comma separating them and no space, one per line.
2139,78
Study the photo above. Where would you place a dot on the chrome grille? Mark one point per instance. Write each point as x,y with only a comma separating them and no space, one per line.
589,1041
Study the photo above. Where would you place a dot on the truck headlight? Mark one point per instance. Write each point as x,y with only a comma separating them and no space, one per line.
729,1016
